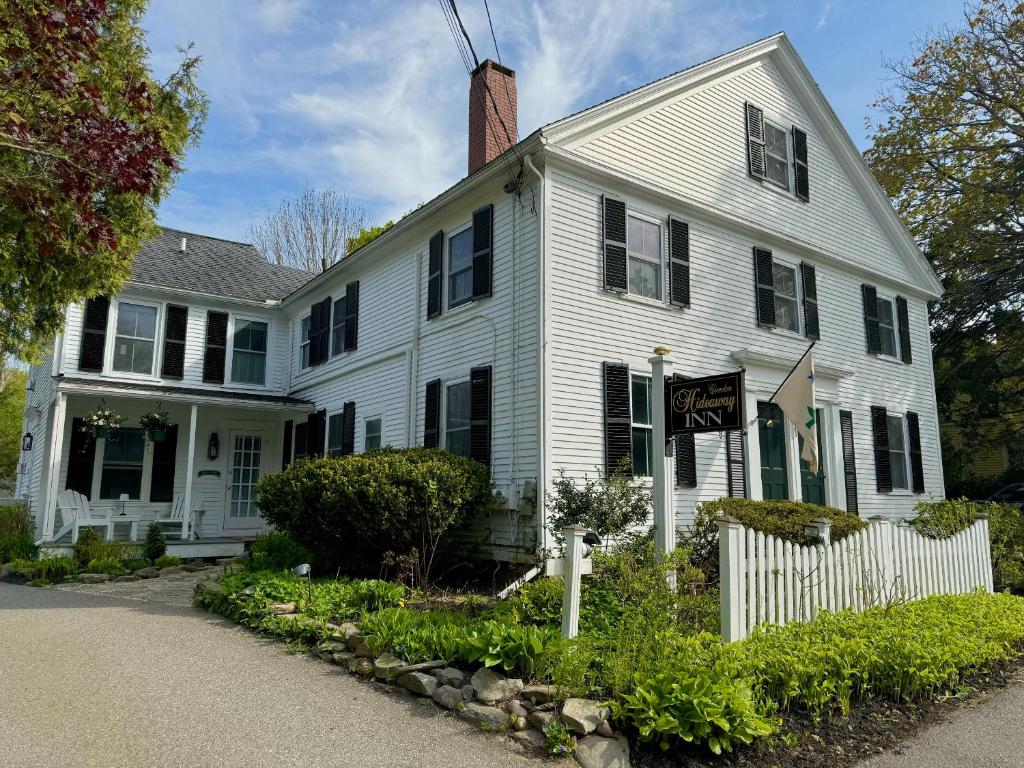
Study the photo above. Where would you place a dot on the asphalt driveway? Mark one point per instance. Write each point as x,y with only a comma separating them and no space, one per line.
87,680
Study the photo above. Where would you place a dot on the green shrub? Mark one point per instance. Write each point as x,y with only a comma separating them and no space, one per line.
155,545
47,569
276,551
514,648
166,561
109,565
611,506
351,510
19,546
15,520
941,519
135,564
86,545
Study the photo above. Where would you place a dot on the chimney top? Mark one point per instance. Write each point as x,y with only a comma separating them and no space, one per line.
184,244
493,124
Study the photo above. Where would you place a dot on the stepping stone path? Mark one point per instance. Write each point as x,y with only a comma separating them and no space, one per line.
174,588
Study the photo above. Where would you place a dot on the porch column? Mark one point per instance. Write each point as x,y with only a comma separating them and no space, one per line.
54,452
187,521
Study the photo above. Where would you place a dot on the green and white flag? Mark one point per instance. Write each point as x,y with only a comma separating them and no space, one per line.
796,399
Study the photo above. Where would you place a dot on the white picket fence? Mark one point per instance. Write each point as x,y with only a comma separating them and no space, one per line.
765,579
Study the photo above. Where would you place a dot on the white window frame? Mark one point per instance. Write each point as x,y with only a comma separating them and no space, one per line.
97,474
660,261
449,273
891,301
304,344
229,361
444,421
905,453
788,159
637,425
797,293
377,417
108,365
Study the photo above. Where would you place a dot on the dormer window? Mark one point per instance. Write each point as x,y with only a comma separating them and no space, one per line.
136,334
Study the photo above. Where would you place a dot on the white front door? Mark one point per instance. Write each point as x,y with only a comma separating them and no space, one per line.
246,462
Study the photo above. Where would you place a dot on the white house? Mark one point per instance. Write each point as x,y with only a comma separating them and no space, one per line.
722,211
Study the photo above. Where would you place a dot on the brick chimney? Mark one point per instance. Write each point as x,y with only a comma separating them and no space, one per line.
487,137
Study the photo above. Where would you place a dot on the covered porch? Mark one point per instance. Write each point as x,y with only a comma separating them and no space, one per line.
198,477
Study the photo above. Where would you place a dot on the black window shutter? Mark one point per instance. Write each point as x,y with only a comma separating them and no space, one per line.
301,439
161,487
735,464
337,327
614,224
348,428
286,445
903,319
94,335
352,315
916,459
686,461
803,183
849,460
216,347
880,437
764,275
480,414
756,158
679,268
870,296
435,276
809,279
432,414
173,366
483,251
319,331
81,458
316,432
618,429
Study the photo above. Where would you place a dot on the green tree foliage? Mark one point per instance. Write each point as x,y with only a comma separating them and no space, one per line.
367,234
12,411
155,545
89,144
948,151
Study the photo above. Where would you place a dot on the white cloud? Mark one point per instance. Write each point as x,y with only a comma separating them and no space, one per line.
826,9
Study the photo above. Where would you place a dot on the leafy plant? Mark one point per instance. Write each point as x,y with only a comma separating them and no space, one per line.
103,418
559,741
47,569
85,548
611,506
159,421
277,551
166,561
155,544
20,545
109,565
520,648
15,520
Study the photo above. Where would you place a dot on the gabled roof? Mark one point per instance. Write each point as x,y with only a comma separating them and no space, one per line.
212,266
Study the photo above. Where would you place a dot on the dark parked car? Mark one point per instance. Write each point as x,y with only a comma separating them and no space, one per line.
1011,494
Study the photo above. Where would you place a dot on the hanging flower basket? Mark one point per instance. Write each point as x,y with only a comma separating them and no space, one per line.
102,420
156,424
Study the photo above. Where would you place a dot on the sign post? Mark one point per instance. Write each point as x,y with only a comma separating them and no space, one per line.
664,508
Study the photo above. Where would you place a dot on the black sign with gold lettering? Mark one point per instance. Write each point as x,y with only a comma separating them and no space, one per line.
710,404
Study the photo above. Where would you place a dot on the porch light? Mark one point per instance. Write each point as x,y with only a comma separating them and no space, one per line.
590,540
213,450
26,442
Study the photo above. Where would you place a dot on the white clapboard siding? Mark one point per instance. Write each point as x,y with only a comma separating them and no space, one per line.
767,580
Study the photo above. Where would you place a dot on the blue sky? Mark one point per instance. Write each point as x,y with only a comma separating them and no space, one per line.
370,97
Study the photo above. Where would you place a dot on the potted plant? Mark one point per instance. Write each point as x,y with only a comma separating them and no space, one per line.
156,424
102,420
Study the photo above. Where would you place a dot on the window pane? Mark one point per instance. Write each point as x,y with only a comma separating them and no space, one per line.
895,433
142,362
643,458
146,322
126,319
123,452
248,367
460,266
786,315
372,434
775,141
885,312
334,434
641,400
338,333
634,235
457,413
784,279
897,452
644,278
888,339
652,240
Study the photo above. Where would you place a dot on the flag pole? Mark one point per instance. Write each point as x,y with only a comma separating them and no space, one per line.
795,366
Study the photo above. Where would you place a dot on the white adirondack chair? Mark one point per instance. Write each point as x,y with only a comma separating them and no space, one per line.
186,521
75,514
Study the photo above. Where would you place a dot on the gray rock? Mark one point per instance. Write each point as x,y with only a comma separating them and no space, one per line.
342,658
540,719
126,578
485,717
447,696
207,586
450,676
423,666
170,570
224,560
193,567
93,578
360,666
332,646
357,644
344,631
531,738
599,752
147,573
468,692
491,687
519,724
539,694
419,683
386,666
604,728
282,609
583,715
516,708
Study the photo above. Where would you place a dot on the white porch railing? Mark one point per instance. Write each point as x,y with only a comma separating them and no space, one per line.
765,579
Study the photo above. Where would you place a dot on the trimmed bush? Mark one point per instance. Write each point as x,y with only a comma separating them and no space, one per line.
155,545
351,510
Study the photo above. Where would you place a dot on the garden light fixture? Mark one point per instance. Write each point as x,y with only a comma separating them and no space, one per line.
303,569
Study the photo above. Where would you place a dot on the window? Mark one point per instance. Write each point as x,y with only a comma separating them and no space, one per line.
643,438
334,435
372,434
643,245
787,314
338,327
457,418
133,345
249,353
304,326
123,453
897,452
886,327
776,145
460,268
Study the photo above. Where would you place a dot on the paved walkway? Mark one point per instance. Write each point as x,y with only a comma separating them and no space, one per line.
172,587
89,680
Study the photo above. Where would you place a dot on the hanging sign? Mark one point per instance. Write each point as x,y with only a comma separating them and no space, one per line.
709,404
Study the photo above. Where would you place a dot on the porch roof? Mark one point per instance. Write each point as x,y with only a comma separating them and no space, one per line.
73,385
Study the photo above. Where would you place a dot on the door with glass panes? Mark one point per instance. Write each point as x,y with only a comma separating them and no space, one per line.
246,461
772,436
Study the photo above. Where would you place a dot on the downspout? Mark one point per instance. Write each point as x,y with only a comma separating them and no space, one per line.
542,534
